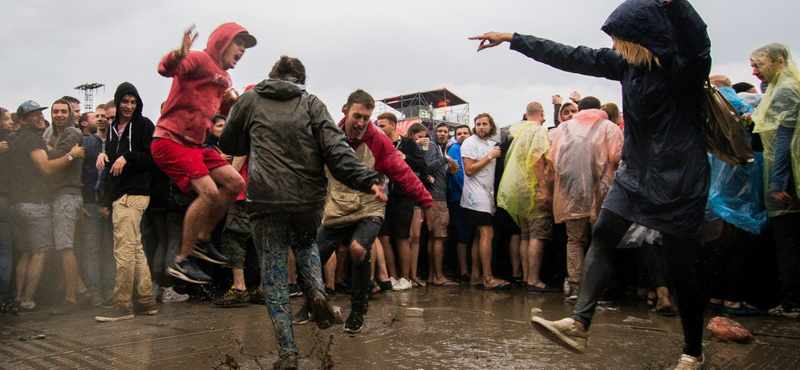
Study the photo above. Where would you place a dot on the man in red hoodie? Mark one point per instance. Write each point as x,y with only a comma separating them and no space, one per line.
201,88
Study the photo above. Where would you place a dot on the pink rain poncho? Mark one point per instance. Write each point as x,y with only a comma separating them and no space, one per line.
585,153
521,191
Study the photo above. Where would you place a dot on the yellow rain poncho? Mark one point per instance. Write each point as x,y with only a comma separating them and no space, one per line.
521,191
778,108
586,152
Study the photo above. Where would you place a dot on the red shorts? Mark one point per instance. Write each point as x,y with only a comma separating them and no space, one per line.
182,164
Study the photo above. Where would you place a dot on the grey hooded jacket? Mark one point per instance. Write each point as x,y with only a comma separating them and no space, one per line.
290,137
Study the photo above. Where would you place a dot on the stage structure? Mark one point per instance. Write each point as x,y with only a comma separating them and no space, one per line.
429,108
87,90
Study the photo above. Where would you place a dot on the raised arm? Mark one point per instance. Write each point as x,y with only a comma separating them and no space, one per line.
176,62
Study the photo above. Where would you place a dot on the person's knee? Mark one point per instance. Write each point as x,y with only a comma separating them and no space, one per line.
357,252
233,185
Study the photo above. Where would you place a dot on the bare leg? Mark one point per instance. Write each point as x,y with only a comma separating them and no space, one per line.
291,267
475,278
486,235
388,255
431,258
462,258
22,272
380,261
437,260
211,205
416,226
535,253
70,265
238,279
330,272
404,257
341,263
524,261
32,276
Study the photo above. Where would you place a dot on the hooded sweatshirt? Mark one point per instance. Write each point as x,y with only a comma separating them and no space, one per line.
198,84
132,143
437,167
66,180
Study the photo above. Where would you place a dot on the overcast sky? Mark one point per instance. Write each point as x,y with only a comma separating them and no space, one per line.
385,47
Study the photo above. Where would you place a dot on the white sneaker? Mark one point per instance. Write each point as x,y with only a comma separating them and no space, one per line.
563,332
394,282
690,363
402,284
169,295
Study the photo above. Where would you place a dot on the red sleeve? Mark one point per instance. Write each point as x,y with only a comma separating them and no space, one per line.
390,164
170,66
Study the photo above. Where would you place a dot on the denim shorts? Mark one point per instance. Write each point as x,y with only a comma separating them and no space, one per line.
33,227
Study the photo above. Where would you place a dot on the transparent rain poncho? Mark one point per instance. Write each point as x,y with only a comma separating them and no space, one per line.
586,152
520,192
735,195
778,107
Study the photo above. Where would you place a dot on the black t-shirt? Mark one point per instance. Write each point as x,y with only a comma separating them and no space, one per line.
29,183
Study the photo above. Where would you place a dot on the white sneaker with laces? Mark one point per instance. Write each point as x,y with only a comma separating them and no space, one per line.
563,332
394,282
404,284
169,295
690,363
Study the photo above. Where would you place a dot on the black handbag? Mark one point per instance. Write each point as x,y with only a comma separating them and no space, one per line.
724,133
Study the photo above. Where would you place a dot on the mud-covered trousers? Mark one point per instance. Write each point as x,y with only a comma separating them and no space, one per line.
274,235
679,257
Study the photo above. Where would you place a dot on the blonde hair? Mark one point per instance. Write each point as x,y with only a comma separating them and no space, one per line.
720,81
776,53
635,54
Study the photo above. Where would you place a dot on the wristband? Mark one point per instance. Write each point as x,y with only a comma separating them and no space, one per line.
69,157
489,156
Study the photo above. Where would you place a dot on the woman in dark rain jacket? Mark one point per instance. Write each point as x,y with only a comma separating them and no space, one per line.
662,58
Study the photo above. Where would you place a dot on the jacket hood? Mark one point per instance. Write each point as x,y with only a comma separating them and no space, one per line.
221,38
590,116
277,89
643,22
122,90
71,121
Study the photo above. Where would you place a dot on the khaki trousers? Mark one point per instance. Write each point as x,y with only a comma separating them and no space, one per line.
133,276
578,232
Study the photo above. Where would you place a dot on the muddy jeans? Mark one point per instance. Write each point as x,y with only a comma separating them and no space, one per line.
274,235
133,276
679,257
577,239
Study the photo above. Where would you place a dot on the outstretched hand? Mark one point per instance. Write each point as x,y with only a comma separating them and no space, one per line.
188,39
492,39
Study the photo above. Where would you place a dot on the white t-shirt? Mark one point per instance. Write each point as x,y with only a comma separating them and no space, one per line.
478,192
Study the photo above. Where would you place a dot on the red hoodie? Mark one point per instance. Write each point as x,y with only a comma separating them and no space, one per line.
198,84
390,164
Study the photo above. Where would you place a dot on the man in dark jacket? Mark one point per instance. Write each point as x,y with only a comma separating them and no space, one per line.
438,164
661,57
291,139
400,208
127,189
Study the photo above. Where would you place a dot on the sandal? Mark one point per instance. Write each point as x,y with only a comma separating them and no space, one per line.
664,306
744,309
446,283
501,284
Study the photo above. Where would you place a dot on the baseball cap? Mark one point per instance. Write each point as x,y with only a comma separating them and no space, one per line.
249,40
27,107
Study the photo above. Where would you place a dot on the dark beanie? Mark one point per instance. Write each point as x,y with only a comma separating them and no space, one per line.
742,87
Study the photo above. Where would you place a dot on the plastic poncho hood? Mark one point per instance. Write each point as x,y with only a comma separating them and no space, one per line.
521,191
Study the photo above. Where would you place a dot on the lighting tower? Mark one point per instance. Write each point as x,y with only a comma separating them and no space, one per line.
88,94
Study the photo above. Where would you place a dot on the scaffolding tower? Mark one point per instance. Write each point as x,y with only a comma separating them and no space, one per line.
429,108
87,90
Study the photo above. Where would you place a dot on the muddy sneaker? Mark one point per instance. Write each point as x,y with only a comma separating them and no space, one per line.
169,295
690,363
288,362
791,313
323,312
257,297
145,309
305,315
354,322
188,270
63,308
206,251
233,298
563,332
107,304
116,315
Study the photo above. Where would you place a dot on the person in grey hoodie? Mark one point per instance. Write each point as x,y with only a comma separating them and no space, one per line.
290,138
67,199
